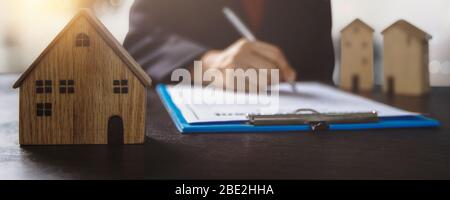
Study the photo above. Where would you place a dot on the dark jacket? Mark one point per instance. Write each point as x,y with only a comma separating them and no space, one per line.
169,34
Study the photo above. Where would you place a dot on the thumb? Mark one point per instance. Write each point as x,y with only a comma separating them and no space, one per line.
288,74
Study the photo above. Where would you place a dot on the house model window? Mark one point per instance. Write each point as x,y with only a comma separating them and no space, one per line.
83,40
43,86
66,86
44,109
120,86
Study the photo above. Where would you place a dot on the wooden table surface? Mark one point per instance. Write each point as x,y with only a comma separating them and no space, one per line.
372,154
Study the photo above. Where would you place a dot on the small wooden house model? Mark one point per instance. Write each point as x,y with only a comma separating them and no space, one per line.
83,89
405,59
356,70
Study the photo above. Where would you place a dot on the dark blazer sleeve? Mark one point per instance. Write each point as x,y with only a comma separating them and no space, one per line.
153,45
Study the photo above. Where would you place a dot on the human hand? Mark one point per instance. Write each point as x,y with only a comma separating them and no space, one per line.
247,54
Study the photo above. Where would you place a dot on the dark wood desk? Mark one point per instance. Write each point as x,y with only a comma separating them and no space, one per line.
375,154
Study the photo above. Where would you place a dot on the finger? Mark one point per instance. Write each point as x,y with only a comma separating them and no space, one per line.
276,56
290,74
263,66
253,62
287,73
270,52
259,62
263,63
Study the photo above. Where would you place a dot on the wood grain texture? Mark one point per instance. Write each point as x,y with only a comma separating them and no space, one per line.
405,60
357,57
82,117
166,154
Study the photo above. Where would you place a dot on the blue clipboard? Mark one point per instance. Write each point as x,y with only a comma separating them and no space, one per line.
417,121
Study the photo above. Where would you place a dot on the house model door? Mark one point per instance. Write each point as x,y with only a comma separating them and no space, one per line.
115,130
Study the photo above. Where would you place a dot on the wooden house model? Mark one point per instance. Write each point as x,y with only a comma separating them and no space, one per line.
406,59
83,89
356,69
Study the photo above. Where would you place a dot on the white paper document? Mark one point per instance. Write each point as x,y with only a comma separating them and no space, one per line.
320,97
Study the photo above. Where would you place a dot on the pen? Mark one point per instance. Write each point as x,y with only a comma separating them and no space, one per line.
245,32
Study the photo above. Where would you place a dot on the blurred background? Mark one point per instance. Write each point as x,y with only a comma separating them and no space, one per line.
28,26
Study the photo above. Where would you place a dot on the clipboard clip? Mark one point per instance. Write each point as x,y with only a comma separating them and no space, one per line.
317,121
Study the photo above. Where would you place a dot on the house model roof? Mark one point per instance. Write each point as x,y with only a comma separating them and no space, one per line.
358,22
403,24
134,67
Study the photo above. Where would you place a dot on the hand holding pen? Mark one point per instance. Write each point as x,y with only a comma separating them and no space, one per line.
249,52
